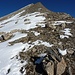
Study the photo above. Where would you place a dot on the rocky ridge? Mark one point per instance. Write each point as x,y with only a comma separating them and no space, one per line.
48,44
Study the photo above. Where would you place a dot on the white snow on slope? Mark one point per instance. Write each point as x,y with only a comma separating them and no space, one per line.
62,52
17,35
60,22
64,36
17,22
40,42
12,18
7,52
67,31
42,54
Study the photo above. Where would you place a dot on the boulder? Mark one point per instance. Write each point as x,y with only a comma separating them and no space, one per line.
50,68
70,51
1,39
61,66
6,36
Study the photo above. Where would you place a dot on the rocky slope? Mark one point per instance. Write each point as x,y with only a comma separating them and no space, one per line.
36,41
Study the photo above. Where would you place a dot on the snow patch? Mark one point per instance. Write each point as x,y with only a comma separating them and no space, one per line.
67,31
62,52
5,69
12,25
12,18
36,33
8,52
64,36
18,35
40,42
42,55
60,22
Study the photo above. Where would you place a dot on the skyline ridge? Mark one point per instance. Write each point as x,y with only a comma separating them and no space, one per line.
7,6
38,3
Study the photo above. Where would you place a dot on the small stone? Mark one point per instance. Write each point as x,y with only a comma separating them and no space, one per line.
7,36
63,25
34,50
70,51
44,61
50,68
1,39
8,71
61,66
52,26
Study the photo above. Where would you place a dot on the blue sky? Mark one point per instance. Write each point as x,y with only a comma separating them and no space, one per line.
8,6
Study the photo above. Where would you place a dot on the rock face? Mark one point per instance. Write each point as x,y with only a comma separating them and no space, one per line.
49,44
6,36
50,68
61,66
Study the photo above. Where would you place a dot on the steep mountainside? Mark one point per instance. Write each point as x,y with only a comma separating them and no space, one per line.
36,41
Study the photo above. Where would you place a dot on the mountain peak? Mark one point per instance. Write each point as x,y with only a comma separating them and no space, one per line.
38,3
28,9
38,7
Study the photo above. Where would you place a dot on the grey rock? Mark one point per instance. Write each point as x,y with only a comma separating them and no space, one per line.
7,36
70,51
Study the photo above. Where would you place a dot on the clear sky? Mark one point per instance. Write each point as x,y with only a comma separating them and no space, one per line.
8,6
